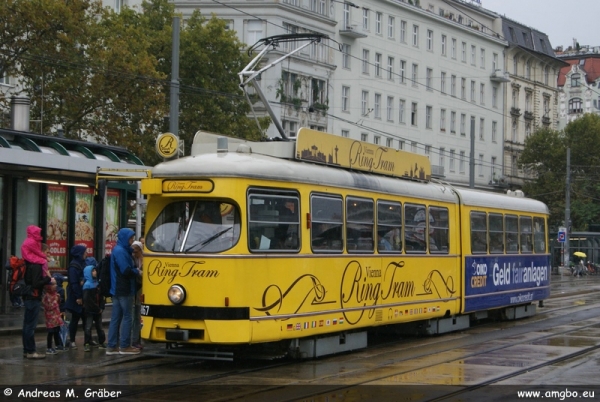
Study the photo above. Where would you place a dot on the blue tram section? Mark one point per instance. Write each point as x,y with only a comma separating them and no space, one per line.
500,281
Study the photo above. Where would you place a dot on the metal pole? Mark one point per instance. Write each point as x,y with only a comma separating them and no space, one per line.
568,209
472,159
174,104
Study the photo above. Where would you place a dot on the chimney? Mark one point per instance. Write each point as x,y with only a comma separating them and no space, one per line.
19,113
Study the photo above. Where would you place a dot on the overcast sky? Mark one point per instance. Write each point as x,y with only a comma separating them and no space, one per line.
561,20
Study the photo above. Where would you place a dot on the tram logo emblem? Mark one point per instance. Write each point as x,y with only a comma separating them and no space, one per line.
167,145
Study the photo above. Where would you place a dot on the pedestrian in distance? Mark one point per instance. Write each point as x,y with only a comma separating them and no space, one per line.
123,276
31,251
136,326
51,303
93,306
74,303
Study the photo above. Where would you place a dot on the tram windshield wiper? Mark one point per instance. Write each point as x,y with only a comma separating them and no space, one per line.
209,240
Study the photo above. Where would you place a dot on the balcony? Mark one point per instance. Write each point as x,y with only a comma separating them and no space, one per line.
546,120
516,112
528,115
437,171
351,31
499,76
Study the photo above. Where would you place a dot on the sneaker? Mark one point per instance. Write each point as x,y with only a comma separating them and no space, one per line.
138,346
94,344
61,348
72,345
87,347
102,346
51,351
129,351
112,351
35,355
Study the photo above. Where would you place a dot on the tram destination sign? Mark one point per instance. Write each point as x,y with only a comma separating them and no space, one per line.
318,147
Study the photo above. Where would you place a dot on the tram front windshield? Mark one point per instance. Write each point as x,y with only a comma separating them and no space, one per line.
195,226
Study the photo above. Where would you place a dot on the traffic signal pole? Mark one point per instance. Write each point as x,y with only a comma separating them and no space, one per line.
568,209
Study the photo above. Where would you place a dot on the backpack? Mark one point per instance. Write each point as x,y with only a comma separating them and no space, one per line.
18,287
103,269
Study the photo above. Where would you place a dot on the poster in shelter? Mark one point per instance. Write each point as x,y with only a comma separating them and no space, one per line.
84,218
57,226
111,227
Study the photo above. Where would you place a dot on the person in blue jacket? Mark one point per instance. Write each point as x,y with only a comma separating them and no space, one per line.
74,303
123,276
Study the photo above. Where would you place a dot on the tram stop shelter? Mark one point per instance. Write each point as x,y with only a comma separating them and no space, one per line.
586,242
50,182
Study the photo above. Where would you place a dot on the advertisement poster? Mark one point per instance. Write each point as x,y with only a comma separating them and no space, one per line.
57,228
113,200
84,218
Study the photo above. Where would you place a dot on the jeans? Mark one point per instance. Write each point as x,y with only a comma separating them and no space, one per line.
120,322
30,320
95,319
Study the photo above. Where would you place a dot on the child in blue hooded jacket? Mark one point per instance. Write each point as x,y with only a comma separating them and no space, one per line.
93,305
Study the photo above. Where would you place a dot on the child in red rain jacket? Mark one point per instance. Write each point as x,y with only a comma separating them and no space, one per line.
51,304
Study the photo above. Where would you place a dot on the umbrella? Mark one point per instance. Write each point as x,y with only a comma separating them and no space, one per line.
579,254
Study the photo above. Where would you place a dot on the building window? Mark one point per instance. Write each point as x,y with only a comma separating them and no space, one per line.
255,31
453,122
402,72
401,107
442,119
415,40
430,40
390,108
403,31
442,157
527,129
453,85
415,75
451,158
364,137
443,83
472,91
482,58
515,98
463,88
575,80
345,133
473,51
346,56
345,98
453,50
463,124
493,167
515,65
461,162
413,147
528,101
464,52
365,62
428,116
319,6
365,19
389,142
480,167
376,140
390,69
378,64
528,70
290,128
515,130
495,62
443,45
482,129
400,144
378,106
494,130
546,75
495,96
378,17
364,103
482,94
575,106
427,150
428,79
413,114
391,27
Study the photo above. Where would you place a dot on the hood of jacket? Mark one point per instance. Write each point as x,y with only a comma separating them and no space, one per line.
90,281
77,252
123,238
31,250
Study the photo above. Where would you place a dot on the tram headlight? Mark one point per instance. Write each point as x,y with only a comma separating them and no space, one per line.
176,294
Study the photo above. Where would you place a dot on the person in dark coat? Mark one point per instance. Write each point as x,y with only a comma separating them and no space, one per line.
34,257
74,303
93,305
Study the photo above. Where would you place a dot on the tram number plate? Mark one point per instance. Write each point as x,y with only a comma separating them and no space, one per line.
145,309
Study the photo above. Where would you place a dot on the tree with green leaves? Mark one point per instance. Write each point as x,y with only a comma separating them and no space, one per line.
545,156
97,74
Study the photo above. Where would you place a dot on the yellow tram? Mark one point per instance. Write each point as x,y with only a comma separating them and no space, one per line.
307,244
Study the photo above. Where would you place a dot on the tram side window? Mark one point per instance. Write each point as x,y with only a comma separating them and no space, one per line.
526,234
479,242
389,227
511,227
539,235
439,231
326,223
195,226
273,221
359,224
496,233
415,228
